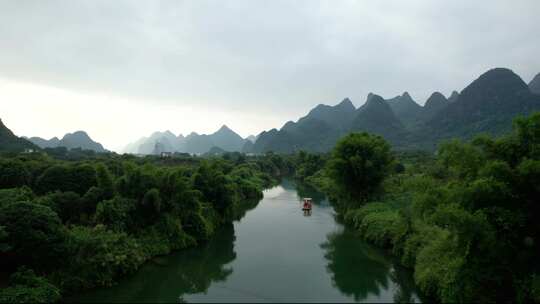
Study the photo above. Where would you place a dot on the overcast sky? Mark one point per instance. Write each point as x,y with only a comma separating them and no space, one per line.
123,69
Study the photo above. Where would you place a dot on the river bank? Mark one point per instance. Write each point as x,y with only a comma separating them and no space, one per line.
273,254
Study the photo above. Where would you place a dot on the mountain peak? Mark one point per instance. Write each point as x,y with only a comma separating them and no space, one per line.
376,116
289,125
494,85
80,139
224,128
227,139
79,134
346,104
534,85
436,100
169,133
453,97
373,101
497,95
406,98
497,77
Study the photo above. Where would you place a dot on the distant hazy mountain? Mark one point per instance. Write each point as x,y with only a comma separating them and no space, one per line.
74,140
534,85
405,108
197,144
215,151
248,147
44,143
9,142
488,104
165,142
227,139
252,138
81,140
194,143
273,140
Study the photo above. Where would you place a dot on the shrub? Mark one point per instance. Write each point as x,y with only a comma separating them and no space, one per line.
115,213
26,287
97,257
34,233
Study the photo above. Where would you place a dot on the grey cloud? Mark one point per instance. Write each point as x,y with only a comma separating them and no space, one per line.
262,55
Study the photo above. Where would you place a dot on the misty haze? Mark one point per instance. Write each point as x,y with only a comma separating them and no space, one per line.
269,151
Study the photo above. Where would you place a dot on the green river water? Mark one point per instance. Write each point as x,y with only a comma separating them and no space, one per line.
275,253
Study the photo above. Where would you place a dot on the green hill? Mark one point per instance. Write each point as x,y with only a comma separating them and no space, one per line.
488,105
9,142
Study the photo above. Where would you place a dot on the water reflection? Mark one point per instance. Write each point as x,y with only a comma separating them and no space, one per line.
354,268
273,254
167,279
364,272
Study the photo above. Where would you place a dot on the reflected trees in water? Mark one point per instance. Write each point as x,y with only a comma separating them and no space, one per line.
359,270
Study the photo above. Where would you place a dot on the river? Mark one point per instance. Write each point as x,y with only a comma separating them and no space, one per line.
274,253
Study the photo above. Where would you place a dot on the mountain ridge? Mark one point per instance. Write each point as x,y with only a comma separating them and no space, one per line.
77,139
488,104
224,138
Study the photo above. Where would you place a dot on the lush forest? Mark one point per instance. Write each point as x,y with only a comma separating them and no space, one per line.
465,219
73,220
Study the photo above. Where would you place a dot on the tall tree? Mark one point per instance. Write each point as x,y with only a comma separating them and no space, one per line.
358,165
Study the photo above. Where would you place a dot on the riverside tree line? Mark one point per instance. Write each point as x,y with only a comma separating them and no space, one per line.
69,225
466,220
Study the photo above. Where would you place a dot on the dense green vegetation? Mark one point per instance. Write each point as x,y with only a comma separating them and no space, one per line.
465,219
67,225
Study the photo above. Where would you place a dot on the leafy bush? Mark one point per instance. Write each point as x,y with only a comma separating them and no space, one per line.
35,235
115,213
97,257
23,194
26,287
376,221
13,173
